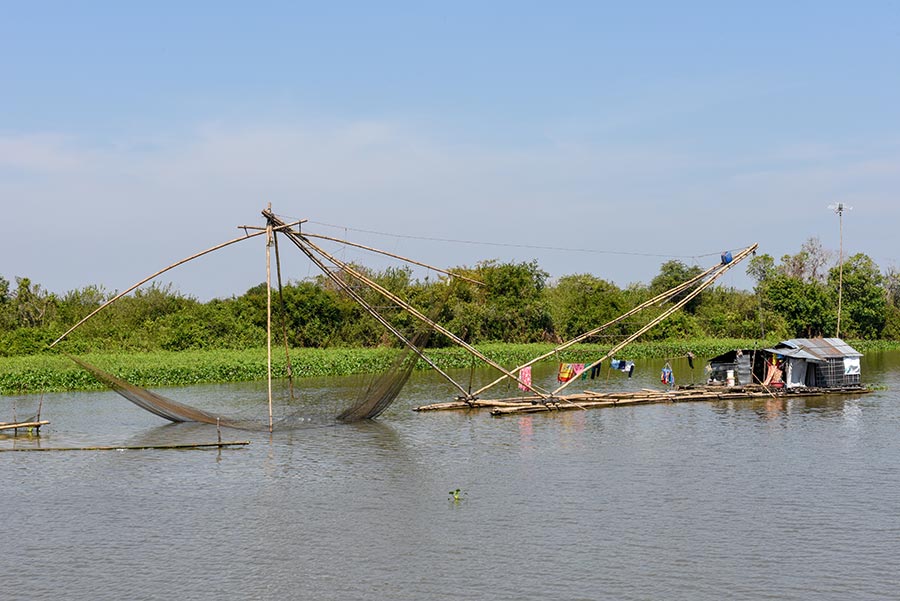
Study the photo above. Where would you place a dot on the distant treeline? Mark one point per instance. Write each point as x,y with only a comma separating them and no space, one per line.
794,297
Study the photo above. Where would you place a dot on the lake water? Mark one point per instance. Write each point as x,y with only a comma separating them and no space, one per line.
794,499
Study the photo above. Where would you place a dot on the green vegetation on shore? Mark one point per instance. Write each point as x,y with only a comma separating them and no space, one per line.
48,373
158,336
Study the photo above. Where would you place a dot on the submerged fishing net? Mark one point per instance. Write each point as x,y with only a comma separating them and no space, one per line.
383,390
374,399
156,403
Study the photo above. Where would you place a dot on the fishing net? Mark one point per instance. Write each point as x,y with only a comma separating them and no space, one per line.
383,390
155,403
372,401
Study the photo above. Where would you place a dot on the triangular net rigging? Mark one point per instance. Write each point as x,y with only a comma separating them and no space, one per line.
372,401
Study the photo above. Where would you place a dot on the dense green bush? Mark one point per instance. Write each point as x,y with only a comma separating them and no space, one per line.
516,304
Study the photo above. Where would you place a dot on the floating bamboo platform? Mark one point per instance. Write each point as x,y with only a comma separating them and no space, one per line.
592,400
35,425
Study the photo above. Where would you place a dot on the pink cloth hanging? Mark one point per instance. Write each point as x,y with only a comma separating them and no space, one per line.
525,379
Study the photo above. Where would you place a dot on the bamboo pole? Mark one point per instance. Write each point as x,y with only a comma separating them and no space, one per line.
164,270
147,279
203,445
400,257
287,353
17,425
269,315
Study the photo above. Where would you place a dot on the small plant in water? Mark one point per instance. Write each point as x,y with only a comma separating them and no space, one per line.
455,495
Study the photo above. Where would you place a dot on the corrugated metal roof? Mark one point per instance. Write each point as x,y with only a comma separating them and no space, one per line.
797,353
822,348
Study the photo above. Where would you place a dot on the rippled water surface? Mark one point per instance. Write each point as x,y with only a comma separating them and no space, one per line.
794,499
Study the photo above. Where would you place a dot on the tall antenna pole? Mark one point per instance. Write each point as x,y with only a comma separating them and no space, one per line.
840,212
839,209
269,242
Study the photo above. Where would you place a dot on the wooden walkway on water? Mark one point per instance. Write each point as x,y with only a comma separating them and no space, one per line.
592,400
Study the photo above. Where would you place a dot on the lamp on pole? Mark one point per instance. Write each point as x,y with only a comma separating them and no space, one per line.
839,209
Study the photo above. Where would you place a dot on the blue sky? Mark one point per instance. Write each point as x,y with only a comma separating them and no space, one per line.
134,135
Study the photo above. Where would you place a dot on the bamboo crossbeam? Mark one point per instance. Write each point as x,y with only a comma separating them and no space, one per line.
204,445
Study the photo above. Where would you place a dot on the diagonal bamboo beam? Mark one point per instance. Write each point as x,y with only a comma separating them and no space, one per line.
719,272
147,279
301,240
342,285
656,299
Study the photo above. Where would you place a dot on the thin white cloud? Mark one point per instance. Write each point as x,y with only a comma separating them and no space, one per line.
132,208
40,153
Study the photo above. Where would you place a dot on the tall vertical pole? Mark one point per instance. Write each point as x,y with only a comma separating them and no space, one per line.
269,313
840,212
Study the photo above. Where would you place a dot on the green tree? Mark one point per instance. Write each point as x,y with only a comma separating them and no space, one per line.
7,309
864,298
580,303
806,308
671,274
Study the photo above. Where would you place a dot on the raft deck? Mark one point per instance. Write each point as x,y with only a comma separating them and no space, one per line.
591,400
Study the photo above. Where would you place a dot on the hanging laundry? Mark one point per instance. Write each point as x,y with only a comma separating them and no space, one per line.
566,372
667,377
626,366
578,368
525,379
595,371
623,366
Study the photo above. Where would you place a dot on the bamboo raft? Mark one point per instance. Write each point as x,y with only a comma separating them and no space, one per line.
592,400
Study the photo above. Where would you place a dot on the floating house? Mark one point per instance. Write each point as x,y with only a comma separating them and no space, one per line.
794,363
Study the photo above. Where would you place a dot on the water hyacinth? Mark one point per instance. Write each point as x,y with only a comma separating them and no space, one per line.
53,372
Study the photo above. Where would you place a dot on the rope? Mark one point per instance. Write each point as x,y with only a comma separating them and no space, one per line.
528,246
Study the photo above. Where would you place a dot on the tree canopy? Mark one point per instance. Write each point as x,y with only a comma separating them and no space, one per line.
794,297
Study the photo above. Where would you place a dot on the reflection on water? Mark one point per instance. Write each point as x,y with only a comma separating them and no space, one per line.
774,498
